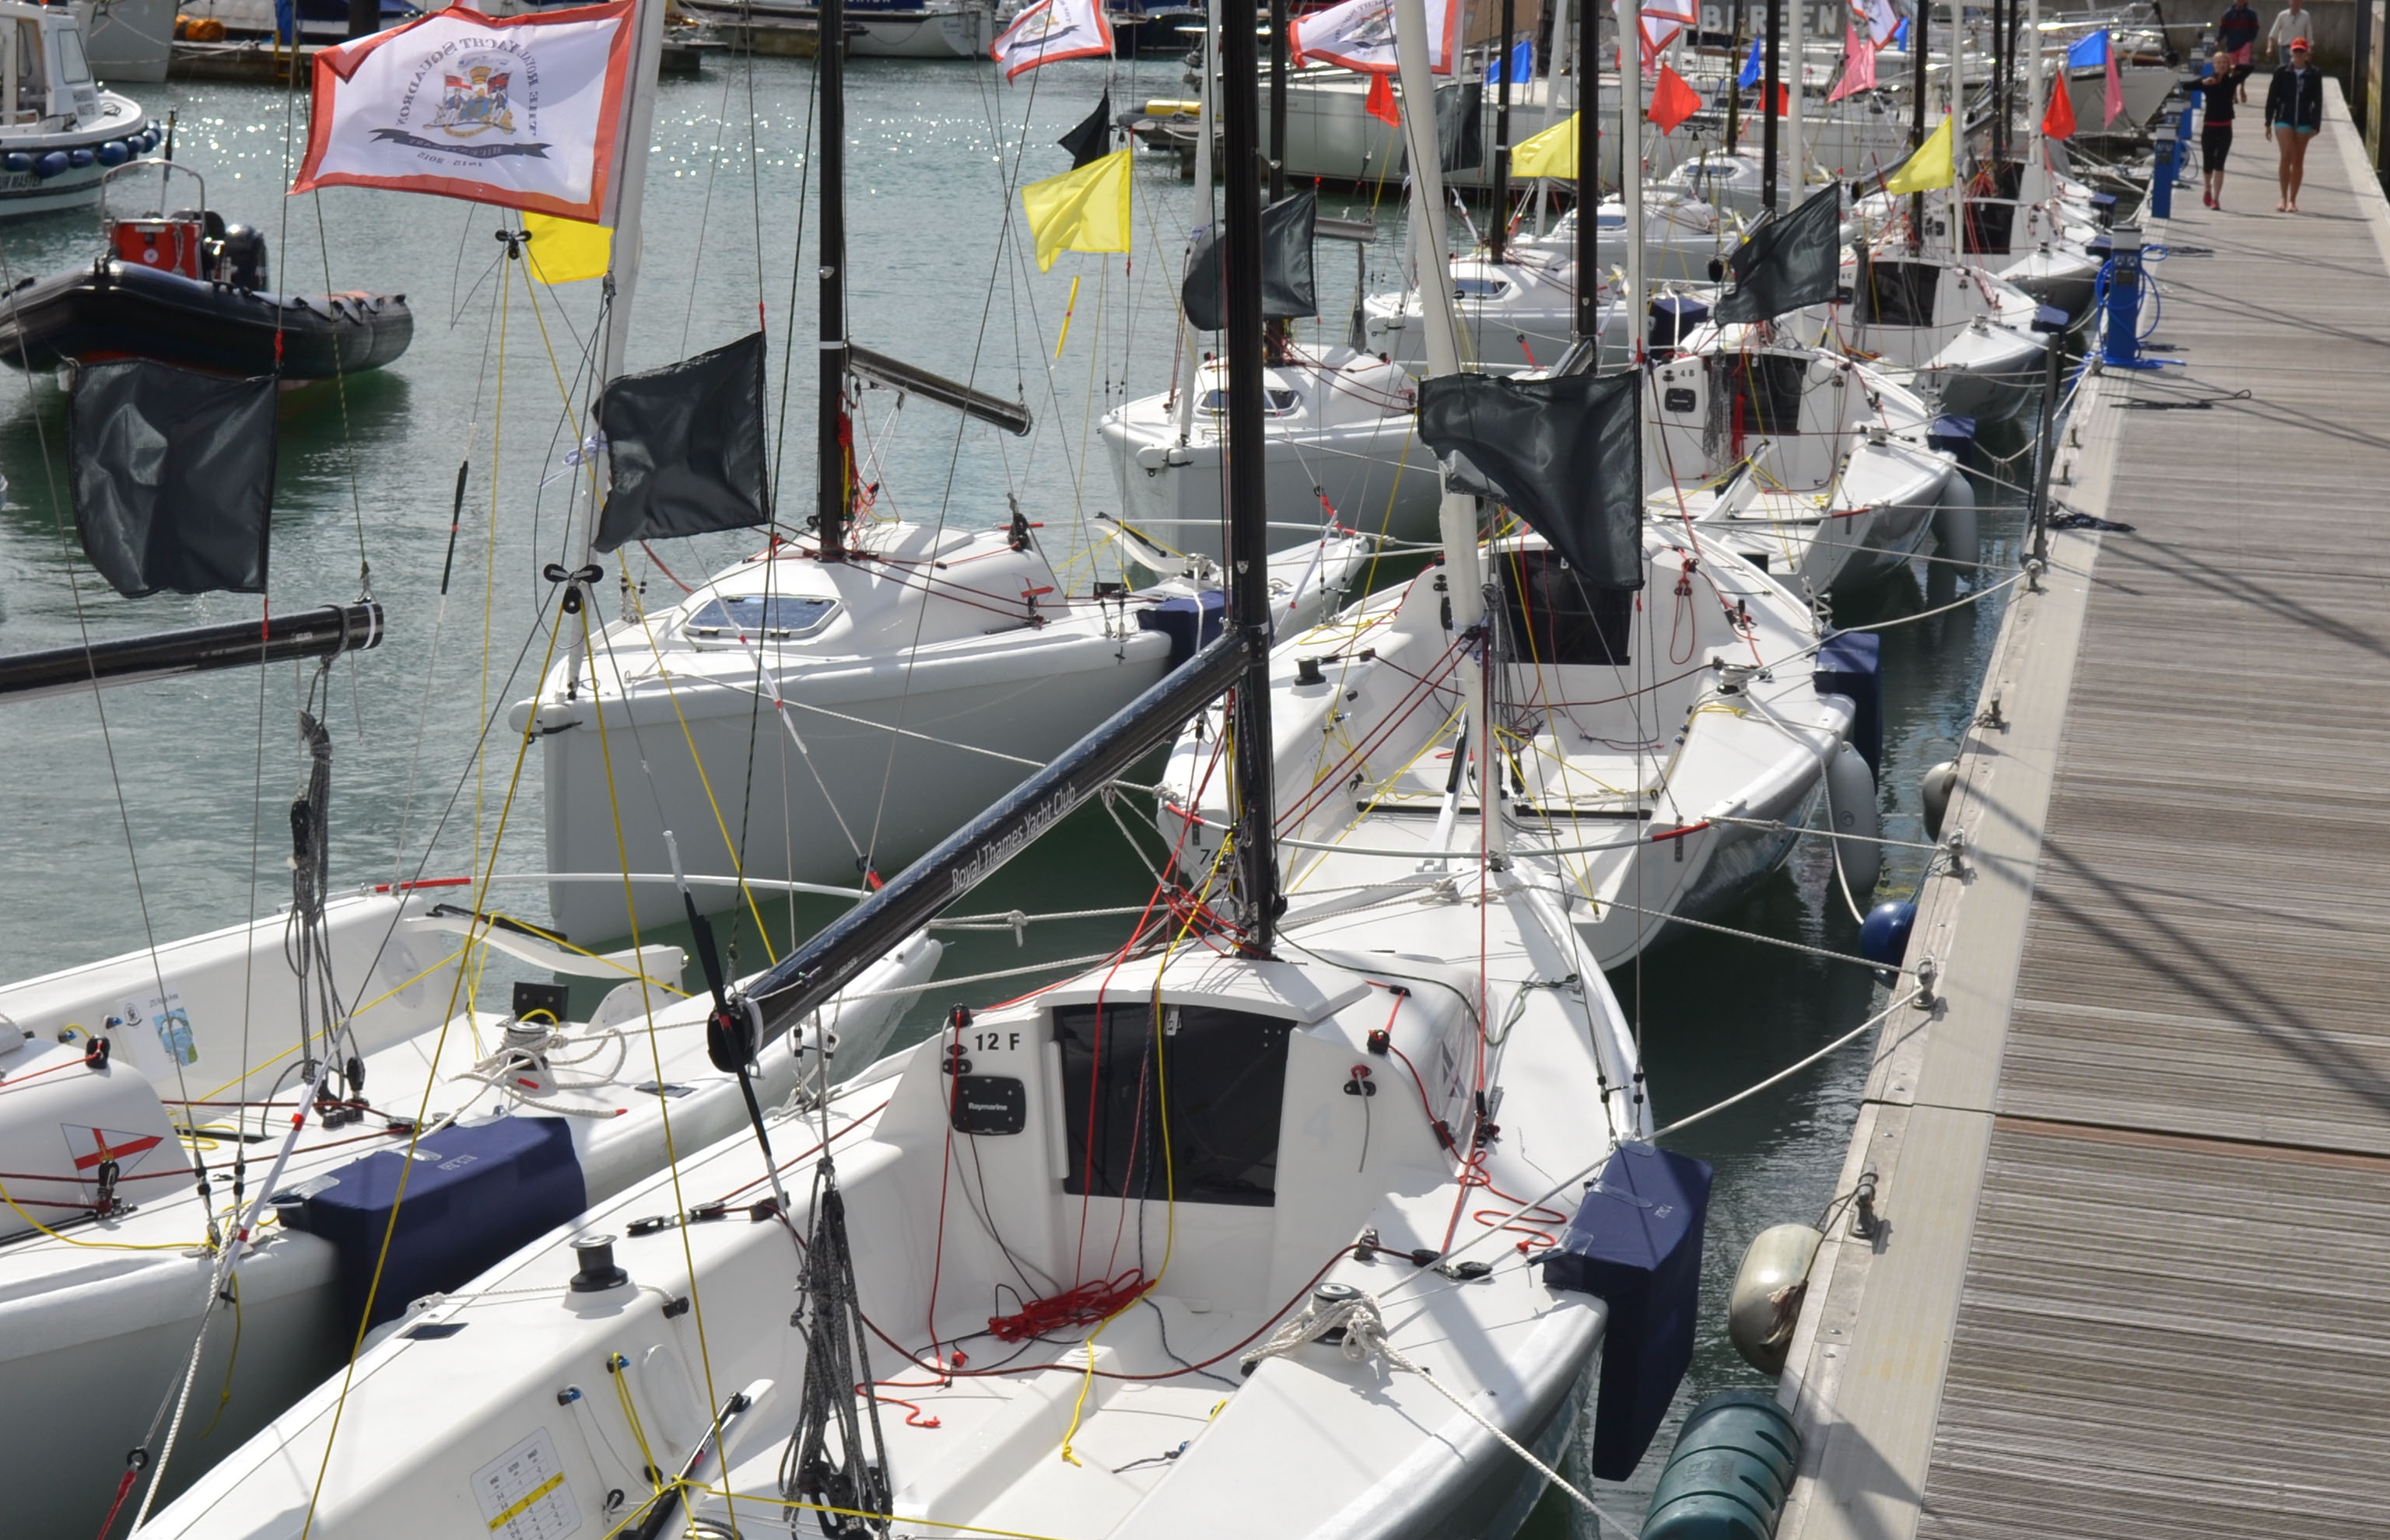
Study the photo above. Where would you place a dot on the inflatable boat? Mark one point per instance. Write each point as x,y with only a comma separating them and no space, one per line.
187,288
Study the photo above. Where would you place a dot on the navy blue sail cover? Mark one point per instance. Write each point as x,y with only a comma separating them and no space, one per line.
475,1196
1636,1243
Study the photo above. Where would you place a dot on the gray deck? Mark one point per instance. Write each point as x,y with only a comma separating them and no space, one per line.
2137,1160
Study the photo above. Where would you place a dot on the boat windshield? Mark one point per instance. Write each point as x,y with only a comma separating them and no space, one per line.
1481,288
780,617
1280,403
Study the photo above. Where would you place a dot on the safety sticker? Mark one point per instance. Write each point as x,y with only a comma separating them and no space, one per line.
522,1494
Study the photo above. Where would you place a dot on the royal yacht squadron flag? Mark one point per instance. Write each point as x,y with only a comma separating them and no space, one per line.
1359,34
520,111
1051,30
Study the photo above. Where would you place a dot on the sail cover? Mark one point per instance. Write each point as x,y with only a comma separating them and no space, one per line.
171,474
1563,452
1788,263
686,446
1288,289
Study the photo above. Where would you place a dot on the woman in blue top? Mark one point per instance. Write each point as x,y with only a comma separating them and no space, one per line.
2293,113
2236,33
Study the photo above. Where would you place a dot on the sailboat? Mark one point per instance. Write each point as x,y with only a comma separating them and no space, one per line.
837,703
1116,1258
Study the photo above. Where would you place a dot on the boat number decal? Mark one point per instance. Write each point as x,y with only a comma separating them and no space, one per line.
522,1494
993,1041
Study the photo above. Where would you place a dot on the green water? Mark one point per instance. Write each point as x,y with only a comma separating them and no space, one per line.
167,818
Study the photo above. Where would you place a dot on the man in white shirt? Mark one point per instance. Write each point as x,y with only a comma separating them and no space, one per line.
2294,22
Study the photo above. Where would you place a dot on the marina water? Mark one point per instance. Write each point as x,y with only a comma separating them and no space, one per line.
197,772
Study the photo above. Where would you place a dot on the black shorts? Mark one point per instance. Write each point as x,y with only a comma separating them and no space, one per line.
2214,144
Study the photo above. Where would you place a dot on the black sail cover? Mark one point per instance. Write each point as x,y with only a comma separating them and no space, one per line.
687,443
1565,453
171,474
1288,289
1092,140
1788,263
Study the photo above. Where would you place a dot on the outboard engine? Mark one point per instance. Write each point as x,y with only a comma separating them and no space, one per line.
240,258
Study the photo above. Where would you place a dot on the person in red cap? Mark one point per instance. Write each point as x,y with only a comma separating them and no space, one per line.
2293,114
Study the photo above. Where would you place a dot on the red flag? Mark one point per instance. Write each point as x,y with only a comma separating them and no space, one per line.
1672,100
1380,102
2057,121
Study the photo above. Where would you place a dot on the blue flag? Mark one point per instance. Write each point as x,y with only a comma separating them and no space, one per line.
1750,75
1900,35
286,20
2091,53
1522,64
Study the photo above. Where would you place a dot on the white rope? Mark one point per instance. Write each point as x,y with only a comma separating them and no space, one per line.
1365,1339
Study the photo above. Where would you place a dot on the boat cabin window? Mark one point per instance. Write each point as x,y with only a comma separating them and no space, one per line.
31,80
779,617
72,70
1225,1073
1759,392
1274,404
1480,289
1896,293
1549,616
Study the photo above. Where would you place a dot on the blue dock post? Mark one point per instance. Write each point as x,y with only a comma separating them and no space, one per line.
2162,174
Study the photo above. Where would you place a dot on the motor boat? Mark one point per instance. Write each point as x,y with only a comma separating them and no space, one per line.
185,288
59,131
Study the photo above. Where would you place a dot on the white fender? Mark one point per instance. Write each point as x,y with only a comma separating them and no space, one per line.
1766,1303
1956,534
1850,804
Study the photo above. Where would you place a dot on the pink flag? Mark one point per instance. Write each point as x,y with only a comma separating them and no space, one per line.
1859,65
2113,101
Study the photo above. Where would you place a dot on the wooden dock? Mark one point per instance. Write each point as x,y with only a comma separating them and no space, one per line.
2136,1158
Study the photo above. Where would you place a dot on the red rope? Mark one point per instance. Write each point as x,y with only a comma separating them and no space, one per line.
1083,1305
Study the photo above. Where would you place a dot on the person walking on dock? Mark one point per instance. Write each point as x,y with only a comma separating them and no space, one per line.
2236,33
2293,25
2293,114
2217,87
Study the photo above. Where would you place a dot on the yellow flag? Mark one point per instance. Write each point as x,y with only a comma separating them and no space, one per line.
1085,210
564,250
1931,168
1550,153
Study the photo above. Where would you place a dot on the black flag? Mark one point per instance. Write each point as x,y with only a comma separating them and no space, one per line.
687,443
1788,263
1092,140
1288,289
1565,453
1460,128
171,474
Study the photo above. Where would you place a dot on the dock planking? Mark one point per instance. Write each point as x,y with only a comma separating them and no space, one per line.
2137,1160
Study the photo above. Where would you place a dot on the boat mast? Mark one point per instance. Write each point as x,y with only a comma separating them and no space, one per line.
1917,19
623,257
1277,99
1770,75
834,477
1797,45
1456,516
1190,364
1248,518
1499,237
1630,168
1589,172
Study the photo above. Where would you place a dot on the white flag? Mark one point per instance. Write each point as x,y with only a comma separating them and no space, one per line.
1874,19
1052,30
521,113
1661,21
1359,34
